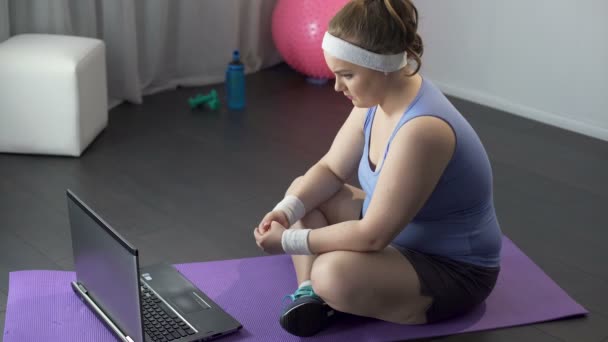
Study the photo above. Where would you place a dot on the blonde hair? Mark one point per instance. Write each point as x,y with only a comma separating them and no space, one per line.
380,26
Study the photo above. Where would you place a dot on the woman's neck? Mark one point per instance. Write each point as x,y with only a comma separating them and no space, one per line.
400,95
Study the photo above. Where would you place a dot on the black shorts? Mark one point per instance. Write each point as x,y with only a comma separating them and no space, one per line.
456,287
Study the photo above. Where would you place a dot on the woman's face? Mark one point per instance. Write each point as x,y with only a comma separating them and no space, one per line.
364,87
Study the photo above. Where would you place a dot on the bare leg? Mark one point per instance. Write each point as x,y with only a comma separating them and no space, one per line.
382,285
343,206
303,263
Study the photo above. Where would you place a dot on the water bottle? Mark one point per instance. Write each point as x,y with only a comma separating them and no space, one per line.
235,82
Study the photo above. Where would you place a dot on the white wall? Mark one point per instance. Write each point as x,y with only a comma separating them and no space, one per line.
546,60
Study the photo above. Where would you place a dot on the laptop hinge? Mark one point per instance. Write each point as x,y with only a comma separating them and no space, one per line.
83,293
82,288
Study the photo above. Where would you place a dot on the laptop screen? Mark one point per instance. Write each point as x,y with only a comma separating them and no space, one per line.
107,266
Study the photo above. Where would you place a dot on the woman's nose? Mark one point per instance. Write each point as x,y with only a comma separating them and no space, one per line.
338,86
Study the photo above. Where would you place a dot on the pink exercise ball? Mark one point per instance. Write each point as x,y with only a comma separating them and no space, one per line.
298,27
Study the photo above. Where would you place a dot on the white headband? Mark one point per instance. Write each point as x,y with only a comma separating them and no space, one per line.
346,51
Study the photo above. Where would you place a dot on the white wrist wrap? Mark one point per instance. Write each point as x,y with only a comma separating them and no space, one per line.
292,207
295,241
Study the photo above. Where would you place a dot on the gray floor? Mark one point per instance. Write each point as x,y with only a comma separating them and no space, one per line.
190,186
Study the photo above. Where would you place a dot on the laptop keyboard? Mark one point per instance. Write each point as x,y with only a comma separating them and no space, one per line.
160,322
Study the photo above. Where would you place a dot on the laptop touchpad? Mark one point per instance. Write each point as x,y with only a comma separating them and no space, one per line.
189,302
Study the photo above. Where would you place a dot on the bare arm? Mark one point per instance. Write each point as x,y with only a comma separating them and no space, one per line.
327,176
416,160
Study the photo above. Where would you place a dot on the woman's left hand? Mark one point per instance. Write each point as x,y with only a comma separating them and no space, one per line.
269,240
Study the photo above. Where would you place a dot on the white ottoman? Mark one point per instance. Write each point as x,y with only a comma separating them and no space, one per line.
53,93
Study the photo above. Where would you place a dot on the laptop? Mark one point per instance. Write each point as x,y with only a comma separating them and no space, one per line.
150,304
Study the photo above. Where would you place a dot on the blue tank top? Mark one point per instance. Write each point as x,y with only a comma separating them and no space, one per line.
458,220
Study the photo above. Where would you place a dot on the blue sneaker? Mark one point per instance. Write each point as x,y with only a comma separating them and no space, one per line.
306,314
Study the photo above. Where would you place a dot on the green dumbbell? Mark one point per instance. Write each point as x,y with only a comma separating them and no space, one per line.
210,100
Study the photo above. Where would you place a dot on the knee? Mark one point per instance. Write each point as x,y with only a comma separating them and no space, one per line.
330,278
313,219
294,183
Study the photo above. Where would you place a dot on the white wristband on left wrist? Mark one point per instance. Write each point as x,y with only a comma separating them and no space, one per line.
295,241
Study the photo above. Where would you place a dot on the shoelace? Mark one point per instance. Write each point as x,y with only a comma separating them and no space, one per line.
302,292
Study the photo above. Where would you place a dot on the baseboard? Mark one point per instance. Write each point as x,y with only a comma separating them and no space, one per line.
524,111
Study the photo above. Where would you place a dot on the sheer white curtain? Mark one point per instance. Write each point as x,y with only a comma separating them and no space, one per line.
4,23
153,45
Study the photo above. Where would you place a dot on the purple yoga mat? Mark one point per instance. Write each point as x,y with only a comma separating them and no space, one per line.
42,306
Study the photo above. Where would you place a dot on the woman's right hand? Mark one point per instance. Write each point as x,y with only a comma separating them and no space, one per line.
275,215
